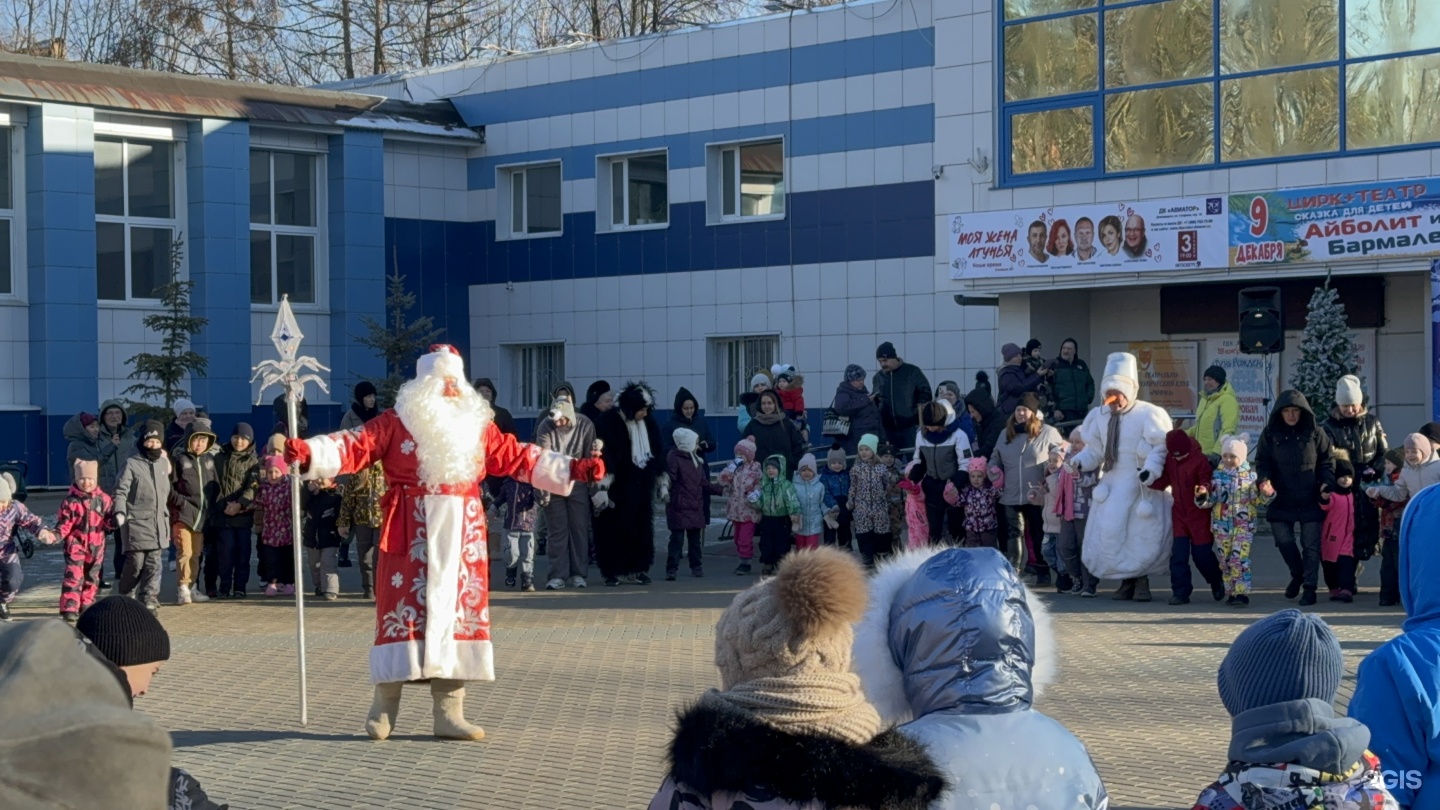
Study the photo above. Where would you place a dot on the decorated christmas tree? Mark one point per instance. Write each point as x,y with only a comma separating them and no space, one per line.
1326,351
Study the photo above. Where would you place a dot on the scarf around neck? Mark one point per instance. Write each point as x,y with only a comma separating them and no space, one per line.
831,704
768,418
1112,443
639,443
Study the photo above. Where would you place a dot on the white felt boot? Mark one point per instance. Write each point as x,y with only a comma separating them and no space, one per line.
383,710
450,720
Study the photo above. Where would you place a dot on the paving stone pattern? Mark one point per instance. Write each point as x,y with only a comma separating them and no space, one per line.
588,683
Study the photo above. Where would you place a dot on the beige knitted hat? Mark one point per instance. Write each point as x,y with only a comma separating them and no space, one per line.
797,623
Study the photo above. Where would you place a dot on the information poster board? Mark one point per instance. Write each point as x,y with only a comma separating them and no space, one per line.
1169,374
1255,379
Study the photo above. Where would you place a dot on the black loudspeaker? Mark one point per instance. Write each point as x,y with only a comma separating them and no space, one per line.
1261,329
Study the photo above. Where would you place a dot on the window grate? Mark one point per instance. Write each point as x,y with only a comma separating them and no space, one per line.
733,361
538,369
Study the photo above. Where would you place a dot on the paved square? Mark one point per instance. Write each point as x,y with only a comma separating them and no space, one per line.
588,682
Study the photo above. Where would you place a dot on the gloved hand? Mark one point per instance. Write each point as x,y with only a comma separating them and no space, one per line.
993,474
600,501
297,451
832,520
662,493
119,519
1144,476
753,497
587,470
916,474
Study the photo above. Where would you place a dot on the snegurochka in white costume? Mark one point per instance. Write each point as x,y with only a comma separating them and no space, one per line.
432,569
1128,534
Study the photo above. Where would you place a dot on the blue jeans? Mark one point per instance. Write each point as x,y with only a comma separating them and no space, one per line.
234,553
1181,552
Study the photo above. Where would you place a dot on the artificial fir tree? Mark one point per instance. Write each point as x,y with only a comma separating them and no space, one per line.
398,342
1326,351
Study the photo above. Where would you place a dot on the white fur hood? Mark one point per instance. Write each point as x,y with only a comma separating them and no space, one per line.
967,635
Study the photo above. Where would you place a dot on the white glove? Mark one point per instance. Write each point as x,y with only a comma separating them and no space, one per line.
832,521
600,501
730,468
119,518
753,497
663,493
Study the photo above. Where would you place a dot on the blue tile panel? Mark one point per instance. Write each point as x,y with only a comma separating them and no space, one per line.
441,260
357,255
810,63
218,245
60,240
899,126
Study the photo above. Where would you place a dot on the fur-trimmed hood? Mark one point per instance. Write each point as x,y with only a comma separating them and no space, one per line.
952,629
633,397
717,751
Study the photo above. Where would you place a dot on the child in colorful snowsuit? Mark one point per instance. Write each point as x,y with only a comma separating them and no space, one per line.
520,510
1234,502
272,502
1288,748
84,517
1050,519
690,490
917,524
1337,533
741,480
1072,505
1186,470
836,478
13,517
870,483
1390,513
322,499
779,514
814,503
894,496
978,500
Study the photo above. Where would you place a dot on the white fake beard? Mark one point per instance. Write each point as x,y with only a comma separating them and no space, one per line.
447,430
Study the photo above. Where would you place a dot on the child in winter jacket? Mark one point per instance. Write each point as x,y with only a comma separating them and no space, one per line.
870,484
917,526
360,512
1288,748
322,538
1234,501
836,478
141,497
1072,506
521,506
690,489
1050,519
741,480
193,490
1186,471
779,514
272,502
979,500
894,496
814,503
1337,533
84,517
791,388
1422,468
943,449
1389,517
13,517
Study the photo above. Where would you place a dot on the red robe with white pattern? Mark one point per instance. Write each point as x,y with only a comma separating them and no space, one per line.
432,567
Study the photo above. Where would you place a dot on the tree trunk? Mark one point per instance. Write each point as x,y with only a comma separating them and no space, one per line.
377,64
347,43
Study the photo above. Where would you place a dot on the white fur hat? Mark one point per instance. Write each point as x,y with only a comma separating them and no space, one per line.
442,359
1347,391
1238,446
1121,374
7,487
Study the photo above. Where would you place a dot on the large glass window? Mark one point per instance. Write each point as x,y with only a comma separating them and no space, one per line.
750,180
534,204
1199,83
135,218
284,234
7,214
635,190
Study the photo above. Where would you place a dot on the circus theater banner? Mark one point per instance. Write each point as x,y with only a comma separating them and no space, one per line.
1080,239
1335,223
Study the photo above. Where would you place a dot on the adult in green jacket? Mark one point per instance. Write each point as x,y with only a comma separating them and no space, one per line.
1074,385
1218,413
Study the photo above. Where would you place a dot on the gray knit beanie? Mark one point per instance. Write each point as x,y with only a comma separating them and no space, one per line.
1287,656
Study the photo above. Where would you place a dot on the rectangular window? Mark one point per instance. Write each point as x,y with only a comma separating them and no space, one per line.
135,218
751,179
533,201
7,215
733,361
1181,84
636,190
284,236
538,369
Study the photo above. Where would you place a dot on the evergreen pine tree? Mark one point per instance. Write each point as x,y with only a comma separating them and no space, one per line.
1326,351
397,342
160,374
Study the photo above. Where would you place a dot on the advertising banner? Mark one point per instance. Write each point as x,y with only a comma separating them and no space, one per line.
1255,379
1099,238
1388,218
1435,340
1169,373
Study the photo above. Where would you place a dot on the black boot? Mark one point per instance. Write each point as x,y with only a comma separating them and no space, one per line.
1125,592
1293,561
1308,599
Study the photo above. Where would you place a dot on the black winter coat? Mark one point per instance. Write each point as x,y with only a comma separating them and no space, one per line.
239,479
698,424
1074,388
864,415
195,487
780,438
302,415
1364,438
322,510
690,488
1015,382
900,394
1296,461
992,422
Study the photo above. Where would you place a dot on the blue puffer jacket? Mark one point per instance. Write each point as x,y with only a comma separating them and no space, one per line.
1397,693
954,647
813,504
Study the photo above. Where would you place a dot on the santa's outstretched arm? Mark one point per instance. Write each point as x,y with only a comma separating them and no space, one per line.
545,470
343,452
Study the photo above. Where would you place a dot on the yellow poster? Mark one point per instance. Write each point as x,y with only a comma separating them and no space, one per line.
1169,373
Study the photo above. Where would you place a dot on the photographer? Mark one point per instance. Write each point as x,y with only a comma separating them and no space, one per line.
1019,377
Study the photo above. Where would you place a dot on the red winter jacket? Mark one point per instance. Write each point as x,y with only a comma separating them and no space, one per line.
1182,475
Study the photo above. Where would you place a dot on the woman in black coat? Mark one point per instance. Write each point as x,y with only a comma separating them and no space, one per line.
989,422
1293,462
687,415
773,433
634,465
852,400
